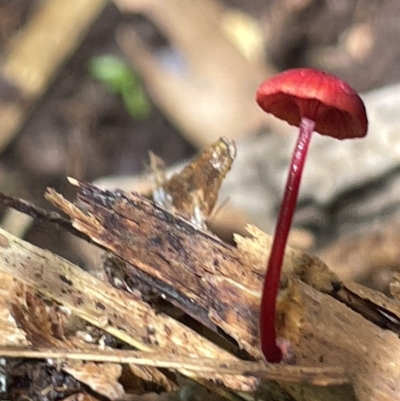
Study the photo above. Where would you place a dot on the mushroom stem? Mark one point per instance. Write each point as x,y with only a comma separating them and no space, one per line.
269,346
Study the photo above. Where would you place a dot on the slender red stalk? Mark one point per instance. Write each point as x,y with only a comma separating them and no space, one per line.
269,347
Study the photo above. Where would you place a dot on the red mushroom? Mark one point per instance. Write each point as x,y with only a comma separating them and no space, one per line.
313,101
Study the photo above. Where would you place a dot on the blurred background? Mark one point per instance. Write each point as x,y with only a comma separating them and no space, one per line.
88,87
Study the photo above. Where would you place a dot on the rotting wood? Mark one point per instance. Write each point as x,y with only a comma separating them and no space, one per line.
48,326
219,285
104,306
118,314
10,333
217,276
293,308
192,268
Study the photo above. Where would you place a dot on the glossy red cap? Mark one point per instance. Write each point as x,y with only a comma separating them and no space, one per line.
332,104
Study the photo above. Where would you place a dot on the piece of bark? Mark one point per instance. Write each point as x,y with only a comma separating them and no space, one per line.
202,264
39,214
214,276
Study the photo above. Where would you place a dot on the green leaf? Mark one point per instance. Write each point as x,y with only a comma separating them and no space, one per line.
120,79
112,71
136,103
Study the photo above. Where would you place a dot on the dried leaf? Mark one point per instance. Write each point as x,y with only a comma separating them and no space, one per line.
194,191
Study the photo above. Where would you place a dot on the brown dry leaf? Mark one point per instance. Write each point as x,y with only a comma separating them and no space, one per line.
194,190
102,378
210,95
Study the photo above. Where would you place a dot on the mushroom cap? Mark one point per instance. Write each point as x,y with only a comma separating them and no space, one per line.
332,104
